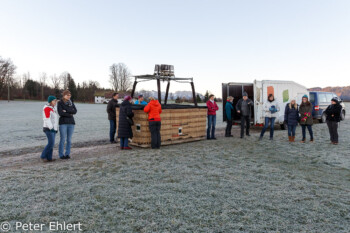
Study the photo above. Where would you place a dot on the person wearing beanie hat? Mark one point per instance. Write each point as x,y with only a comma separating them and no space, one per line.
244,108
140,100
333,113
212,108
229,116
125,122
306,119
50,128
66,109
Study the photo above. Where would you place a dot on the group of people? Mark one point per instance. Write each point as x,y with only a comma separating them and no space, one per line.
61,120
293,115
125,121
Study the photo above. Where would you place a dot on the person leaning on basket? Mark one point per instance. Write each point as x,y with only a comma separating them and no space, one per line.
50,128
125,122
154,109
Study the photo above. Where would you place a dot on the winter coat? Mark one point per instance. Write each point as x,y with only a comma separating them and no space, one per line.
111,109
124,127
305,111
212,108
142,102
154,109
50,118
239,106
267,106
333,112
229,110
291,115
66,110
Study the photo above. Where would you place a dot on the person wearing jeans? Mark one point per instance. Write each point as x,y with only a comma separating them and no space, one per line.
125,122
154,109
229,116
271,110
291,118
66,110
50,128
124,143
306,119
111,110
212,108
244,107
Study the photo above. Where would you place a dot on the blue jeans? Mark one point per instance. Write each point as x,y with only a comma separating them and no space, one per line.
124,142
211,126
309,128
272,125
291,130
47,152
66,132
112,129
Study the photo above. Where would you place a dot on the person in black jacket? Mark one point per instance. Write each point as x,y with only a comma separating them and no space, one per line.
333,112
112,117
124,125
66,109
291,118
244,107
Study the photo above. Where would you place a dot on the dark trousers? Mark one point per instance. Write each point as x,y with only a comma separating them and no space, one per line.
309,128
271,121
47,152
211,126
124,142
228,128
112,129
291,130
245,120
333,130
154,127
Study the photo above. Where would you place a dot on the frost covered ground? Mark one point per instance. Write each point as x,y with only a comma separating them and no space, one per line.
227,185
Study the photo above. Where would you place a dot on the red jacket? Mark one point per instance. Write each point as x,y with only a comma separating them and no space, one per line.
154,109
212,107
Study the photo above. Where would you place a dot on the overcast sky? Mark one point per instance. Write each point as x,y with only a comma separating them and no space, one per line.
213,41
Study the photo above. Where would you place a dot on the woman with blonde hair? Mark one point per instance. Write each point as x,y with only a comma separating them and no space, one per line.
291,118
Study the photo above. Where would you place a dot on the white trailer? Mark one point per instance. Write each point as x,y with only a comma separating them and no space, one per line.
284,92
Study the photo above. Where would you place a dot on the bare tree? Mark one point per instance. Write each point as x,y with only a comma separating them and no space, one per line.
120,77
7,70
56,82
42,79
25,78
64,80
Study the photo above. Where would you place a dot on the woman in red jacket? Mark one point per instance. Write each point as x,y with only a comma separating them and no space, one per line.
154,109
212,108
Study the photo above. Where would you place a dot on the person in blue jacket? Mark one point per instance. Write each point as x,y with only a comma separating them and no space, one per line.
291,118
140,100
229,116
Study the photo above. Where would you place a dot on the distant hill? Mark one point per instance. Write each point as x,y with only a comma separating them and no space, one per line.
342,92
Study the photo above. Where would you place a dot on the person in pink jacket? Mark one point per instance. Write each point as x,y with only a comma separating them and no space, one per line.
212,108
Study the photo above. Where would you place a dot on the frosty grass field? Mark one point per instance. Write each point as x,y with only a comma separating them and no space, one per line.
227,185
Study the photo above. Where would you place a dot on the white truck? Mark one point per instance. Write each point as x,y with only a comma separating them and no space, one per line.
284,92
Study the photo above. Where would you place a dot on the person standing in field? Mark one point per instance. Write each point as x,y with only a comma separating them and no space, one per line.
125,123
291,118
229,116
50,128
333,112
112,116
244,107
66,109
306,119
140,100
154,109
271,110
212,108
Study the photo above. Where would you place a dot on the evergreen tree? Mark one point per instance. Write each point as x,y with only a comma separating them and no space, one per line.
72,87
206,96
199,99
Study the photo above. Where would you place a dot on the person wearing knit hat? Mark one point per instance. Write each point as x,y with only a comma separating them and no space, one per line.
66,109
125,122
333,113
244,108
50,128
306,120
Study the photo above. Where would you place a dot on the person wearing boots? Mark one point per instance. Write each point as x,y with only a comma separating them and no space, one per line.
291,118
244,107
306,119
271,110
229,116
333,112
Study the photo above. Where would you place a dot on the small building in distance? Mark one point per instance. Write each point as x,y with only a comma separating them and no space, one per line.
103,97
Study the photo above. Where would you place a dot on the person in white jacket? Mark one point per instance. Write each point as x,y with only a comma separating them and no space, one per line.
271,110
50,128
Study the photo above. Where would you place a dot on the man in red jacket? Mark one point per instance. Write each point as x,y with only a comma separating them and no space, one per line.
212,108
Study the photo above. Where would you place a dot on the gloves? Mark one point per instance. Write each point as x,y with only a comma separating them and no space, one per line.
53,130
